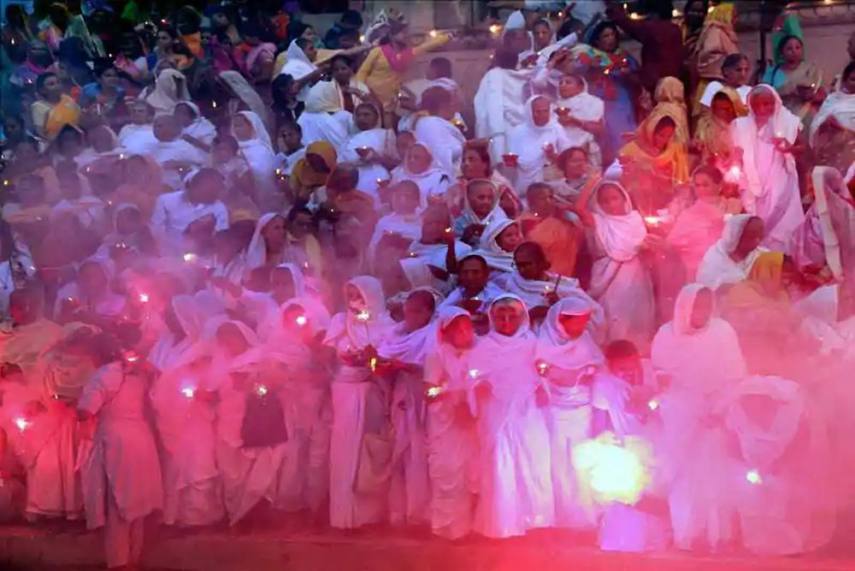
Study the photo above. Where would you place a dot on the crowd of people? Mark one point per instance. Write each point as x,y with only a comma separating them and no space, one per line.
251,272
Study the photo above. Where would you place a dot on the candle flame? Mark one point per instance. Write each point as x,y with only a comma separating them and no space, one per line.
301,320
363,315
190,257
261,390
434,392
495,29
753,477
188,392
653,220
144,298
653,404
542,368
433,33
372,363
473,373
22,423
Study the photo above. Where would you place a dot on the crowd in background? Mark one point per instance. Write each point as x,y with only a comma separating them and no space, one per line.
254,271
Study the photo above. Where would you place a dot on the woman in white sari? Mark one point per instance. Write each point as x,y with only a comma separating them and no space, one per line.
267,246
498,242
438,133
367,148
298,64
500,102
516,492
323,119
536,142
361,443
255,145
195,124
769,183
620,280
697,357
730,259
170,87
452,439
420,167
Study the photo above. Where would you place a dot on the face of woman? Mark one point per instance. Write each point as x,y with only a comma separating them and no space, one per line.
282,283
274,233
365,117
569,86
354,297
289,139
184,115
762,104
792,51
540,111
737,76
460,333
574,325
311,51
704,186
472,165
417,313
510,238
231,340
849,83
722,109
242,128
662,136
542,35
507,319
751,237
576,165
702,309
341,72
164,41
109,79
52,88
481,199
418,159
612,201
608,40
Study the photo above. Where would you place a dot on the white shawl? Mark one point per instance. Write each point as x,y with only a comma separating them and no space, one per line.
200,128
258,152
528,140
256,252
444,140
717,267
558,350
432,181
619,235
840,106
497,258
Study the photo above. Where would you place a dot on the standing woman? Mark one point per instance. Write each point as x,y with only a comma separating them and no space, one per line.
121,475
798,82
769,184
717,41
361,445
613,77
620,281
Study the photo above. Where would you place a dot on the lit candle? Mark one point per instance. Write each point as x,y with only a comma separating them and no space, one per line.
22,423
261,390
144,298
301,320
188,392
634,16
473,373
121,156
653,404
363,315
434,392
495,29
372,363
433,33
675,13
69,299
653,220
753,477
190,257
560,15
132,357
448,230
542,368
362,39
6,182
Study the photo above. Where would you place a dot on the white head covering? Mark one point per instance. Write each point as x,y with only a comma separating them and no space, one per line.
430,181
297,277
444,360
516,21
297,65
558,350
717,267
838,105
166,93
620,235
683,308
200,128
497,258
260,131
732,232
323,97
245,92
495,214
256,252
408,346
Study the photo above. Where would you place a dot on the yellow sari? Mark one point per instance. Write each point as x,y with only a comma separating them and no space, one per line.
712,135
50,119
305,179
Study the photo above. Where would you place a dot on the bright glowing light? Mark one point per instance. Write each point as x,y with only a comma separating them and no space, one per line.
362,39
710,9
653,220
676,13
473,373
188,392
613,472
542,368
301,320
213,104
495,29
261,390
132,358
433,33
22,423
144,298
634,16
733,173
653,404
434,392
372,364
190,257
753,477
69,299
6,182
448,230
363,315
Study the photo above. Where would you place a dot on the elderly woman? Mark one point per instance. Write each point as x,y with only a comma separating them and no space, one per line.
832,131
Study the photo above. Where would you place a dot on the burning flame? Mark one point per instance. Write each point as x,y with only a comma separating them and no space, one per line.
372,364
614,472
188,392
653,220
495,29
753,477
542,368
144,298
653,404
190,257
363,315
22,423
261,390
434,392
301,320
473,373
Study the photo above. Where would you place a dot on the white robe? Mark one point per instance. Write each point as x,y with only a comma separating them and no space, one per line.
717,268
528,141
381,141
499,107
444,140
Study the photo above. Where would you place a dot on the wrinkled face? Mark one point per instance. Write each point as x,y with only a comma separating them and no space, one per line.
705,186
482,199
542,35
365,117
612,200
574,325
341,72
792,51
662,136
506,318
751,237
702,309
762,104
608,40
417,313
530,265
231,340
569,85
540,108
418,159
92,280
473,275
510,238
576,165
737,76
242,128
282,283
139,113
460,333
274,233
722,109
109,79
472,165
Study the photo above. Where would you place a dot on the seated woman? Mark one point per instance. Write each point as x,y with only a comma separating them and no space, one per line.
832,131
535,143
323,118
730,259
475,164
578,172
420,167
654,162
369,148
89,298
436,131
620,280
548,225
311,172
501,237
712,140
480,209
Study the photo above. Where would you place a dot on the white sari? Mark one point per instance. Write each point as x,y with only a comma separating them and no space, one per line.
298,66
200,128
619,279
323,118
432,182
770,184
381,141
259,155
528,140
516,492
499,107
497,257
443,139
717,268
